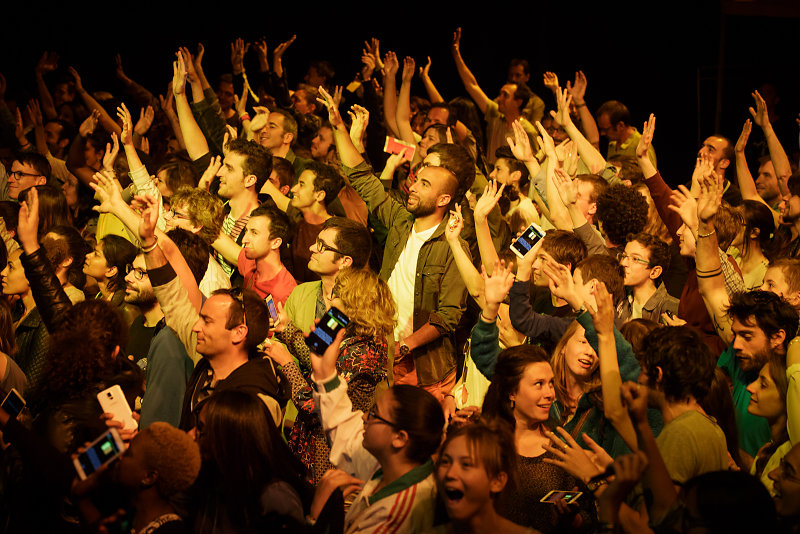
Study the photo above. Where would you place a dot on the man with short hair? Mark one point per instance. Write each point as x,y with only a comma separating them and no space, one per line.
614,122
519,71
645,259
304,100
258,259
720,151
279,135
316,188
27,170
417,264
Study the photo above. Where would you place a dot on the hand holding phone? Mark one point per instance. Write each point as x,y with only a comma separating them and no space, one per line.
324,342
100,452
13,404
113,401
556,495
525,242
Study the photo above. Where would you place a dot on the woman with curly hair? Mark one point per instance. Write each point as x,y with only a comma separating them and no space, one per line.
367,301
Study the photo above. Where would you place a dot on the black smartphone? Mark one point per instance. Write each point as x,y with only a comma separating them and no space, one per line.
13,403
330,324
527,240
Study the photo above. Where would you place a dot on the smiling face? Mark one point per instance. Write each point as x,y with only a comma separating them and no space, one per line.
505,100
535,394
273,135
688,243
13,276
429,192
303,194
429,138
787,484
463,481
580,357
21,177
765,399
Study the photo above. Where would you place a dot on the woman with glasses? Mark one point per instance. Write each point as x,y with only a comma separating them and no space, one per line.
385,452
645,259
362,363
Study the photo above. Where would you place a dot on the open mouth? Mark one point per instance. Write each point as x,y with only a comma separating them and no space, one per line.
453,495
585,363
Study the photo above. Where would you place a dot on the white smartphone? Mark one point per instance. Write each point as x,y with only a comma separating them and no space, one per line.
103,450
568,496
273,310
112,400
532,235
13,403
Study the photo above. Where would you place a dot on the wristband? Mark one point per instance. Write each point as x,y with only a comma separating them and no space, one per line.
710,275
580,105
244,117
709,234
152,247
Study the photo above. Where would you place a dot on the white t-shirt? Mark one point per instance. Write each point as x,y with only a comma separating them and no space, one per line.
401,282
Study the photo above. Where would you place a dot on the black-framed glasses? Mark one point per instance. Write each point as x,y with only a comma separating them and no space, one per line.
138,272
21,174
176,215
322,247
373,415
641,261
237,294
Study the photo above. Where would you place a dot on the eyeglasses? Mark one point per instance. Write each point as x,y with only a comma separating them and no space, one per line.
372,414
176,215
20,174
641,261
138,272
237,294
322,247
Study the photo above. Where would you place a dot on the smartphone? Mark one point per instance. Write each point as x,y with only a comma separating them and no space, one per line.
13,403
395,146
330,324
113,401
568,496
273,310
103,450
532,235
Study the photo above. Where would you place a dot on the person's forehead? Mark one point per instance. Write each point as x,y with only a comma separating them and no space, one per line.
328,235
433,159
539,370
260,222
603,120
276,119
181,207
234,160
634,247
766,167
25,167
434,175
217,306
437,113
508,88
139,261
715,142
307,176
748,325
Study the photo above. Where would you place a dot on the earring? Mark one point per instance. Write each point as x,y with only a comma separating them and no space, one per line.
513,404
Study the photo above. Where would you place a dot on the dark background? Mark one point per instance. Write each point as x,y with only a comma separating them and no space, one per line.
659,57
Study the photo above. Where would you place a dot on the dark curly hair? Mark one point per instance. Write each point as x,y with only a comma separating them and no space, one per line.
621,211
687,364
770,312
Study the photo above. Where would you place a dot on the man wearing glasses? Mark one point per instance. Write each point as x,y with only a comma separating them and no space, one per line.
27,170
645,259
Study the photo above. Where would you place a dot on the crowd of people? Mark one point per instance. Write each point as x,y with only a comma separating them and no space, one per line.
542,335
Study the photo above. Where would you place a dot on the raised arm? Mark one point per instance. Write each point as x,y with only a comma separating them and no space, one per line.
195,141
391,66
587,151
47,63
430,88
467,78
348,153
780,160
404,108
472,278
588,124
106,121
483,207
559,215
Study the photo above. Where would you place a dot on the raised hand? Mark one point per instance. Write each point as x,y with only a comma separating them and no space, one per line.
337,95
261,51
578,89
189,65
710,198
634,397
648,130
521,145
28,223
127,125
281,48
238,49
147,223
332,106
424,72
603,316
108,191
77,78
88,126
373,49
487,202
567,187
561,116
47,63
551,81
359,119
760,115
110,155
497,286
409,67
35,113
146,116
390,65
167,102
561,283
684,204
741,143
369,66
198,57
179,74
568,455
454,225
240,103
456,45
548,145
210,172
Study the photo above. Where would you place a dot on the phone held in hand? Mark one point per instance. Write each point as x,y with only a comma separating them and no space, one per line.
13,403
102,451
532,235
113,401
556,495
330,324
273,310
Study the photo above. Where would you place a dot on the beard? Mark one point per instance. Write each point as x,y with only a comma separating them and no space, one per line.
143,299
421,208
756,361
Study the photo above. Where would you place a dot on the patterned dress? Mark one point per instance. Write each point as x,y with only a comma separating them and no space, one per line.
362,363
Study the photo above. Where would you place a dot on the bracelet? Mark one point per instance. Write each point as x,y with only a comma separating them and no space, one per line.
485,320
151,248
244,117
712,232
449,395
580,105
710,275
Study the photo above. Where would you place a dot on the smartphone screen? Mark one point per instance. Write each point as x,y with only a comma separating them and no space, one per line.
333,321
273,311
568,496
102,451
527,240
13,403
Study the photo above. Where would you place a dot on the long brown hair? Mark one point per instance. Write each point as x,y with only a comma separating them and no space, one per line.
560,370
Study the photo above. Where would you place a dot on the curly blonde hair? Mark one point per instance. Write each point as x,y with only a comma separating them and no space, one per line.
369,302
173,454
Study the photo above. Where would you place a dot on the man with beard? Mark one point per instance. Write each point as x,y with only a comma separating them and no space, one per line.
790,217
417,264
165,360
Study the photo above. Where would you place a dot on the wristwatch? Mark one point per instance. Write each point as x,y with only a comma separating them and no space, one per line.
404,350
